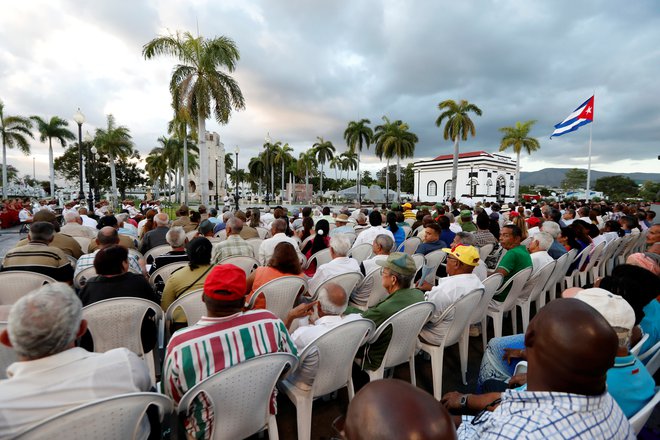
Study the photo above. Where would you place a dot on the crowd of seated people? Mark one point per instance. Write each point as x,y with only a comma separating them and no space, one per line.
599,382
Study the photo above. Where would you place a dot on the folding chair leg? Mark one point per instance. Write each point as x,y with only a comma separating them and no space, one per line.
525,311
484,331
304,418
463,353
437,358
514,319
272,428
413,378
497,324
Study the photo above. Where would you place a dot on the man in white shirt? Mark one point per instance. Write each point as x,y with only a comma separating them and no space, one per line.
453,224
381,249
75,228
267,247
316,319
460,280
52,375
538,250
340,263
467,239
267,217
86,220
370,234
24,215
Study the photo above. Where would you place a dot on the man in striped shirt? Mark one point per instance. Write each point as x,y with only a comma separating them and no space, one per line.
225,337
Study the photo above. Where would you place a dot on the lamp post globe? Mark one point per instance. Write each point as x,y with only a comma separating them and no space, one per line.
79,118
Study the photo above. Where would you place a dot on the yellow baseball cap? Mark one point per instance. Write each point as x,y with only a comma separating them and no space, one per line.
465,254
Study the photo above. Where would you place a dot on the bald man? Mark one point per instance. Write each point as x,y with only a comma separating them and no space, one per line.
394,409
570,347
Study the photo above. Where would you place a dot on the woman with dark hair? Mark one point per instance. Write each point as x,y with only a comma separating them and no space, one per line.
630,225
582,236
147,224
195,219
189,278
393,227
284,262
320,241
255,218
306,229
567,239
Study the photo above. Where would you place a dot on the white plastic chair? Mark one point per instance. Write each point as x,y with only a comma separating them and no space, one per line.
84,243
369,291
192,305
406,325
81,278
280,294
157,251
192,234
586,275
361,252
409,245
116,417
619,245
304,243
557,276
649,356
263,232
638,421
491,284
433,260
165,272
16,283
485,250
533,289
637,348
321,257
7,355
458,315
248,264
221,235
572,278
240,396
255,244
336,350
496,309
407,230
347,281
116,322
605,258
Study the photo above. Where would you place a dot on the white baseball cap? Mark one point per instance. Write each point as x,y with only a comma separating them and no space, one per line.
616,310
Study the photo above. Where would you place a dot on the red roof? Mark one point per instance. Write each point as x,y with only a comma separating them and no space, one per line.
463,155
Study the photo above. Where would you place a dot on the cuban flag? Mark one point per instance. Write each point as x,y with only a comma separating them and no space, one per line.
582,115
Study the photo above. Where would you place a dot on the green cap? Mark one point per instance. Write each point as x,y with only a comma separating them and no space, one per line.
466,213
400,263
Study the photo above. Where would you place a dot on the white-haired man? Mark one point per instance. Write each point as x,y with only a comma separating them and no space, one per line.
538,250
340,263
555,250
267,247
75,228
177,239
52,375
156,237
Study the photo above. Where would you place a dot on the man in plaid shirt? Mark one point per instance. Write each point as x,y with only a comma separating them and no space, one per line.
234,245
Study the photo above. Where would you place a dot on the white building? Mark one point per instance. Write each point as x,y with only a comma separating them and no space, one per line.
483,176
216,155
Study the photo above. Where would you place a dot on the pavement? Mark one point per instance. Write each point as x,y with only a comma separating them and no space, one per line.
8,239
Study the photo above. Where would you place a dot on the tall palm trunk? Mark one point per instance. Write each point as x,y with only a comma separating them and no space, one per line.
387,182
398,179
113,178
272,180
454,169
282,180
517,176
321,181
185,164
358,184
4,169
307,182
203,157
51,167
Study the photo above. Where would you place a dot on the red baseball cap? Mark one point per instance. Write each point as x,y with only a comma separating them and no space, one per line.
533,221
225,282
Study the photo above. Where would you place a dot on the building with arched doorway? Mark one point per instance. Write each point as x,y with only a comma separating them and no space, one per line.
216,166
481,175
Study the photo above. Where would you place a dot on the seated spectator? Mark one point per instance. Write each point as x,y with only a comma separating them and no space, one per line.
195,219
176,238
224,297
367,235
343,227
397,231
394,409
125,226
183,219
538,250
645,260
431,241
516,259
314,320
248,231
52,375
467,239
233,245
109,236
277,229
556,250
284,262
320,241
147,223
467,225
127,241
340,263
205,229
156,236
447,235
381,248
74,226
188,278
482,235
67,244
38,255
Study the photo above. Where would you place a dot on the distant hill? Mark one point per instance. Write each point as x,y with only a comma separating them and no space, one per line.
554,176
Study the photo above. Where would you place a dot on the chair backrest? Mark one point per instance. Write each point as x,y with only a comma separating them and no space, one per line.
136,253
407,230
406,325
84,243
653,356
560,269
263,232
165,271
17,283
248,264
432,261
373,282
221,235
638,347
192,305
638,421
537,282
7,355
463,309
346,280
117,322
417,230
485,250
240,395
191,234
336,350
321,257
361,252
517,282
419,260
154,252
81,277
255,243
409,245
280,294
111,418
491,284
594,256
305,241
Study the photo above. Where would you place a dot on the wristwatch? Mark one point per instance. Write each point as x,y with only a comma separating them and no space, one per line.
463,401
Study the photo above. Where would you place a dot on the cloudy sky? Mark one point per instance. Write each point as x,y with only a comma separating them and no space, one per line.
309,67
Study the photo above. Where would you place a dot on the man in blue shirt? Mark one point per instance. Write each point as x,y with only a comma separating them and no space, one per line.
431,241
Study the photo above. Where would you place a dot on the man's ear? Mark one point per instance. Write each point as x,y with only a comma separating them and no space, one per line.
4,338
82,329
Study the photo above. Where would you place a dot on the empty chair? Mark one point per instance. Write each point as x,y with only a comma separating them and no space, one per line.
533,289
154,252
496,309
639,420
192,305
336,350
81,277
248,264
409,245
240,396
164,272
280,294
369,291
480,311
17,283
116,417
255,244
320,257
406,325
361,252
557,276
458,316
347,281
7,355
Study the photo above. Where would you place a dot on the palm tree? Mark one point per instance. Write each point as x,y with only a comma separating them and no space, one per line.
178,127
324,151
518,138
394,140
156,167
358,135
306,162
55,128
269,152
257,167
335,163
458,125
13,129
198,85
116,142
282,157
349,161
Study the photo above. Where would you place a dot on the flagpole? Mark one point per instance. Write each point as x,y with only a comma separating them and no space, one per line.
589,163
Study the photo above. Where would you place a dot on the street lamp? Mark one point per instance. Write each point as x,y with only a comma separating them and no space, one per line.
236,196
80,119
216,183
268,140
91,170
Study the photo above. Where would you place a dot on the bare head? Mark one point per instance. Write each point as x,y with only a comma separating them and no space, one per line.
332,300
382,245
72,217
176,237
340,245
161,219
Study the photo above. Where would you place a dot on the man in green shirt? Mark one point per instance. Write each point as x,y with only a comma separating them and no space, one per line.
398,271
516,258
